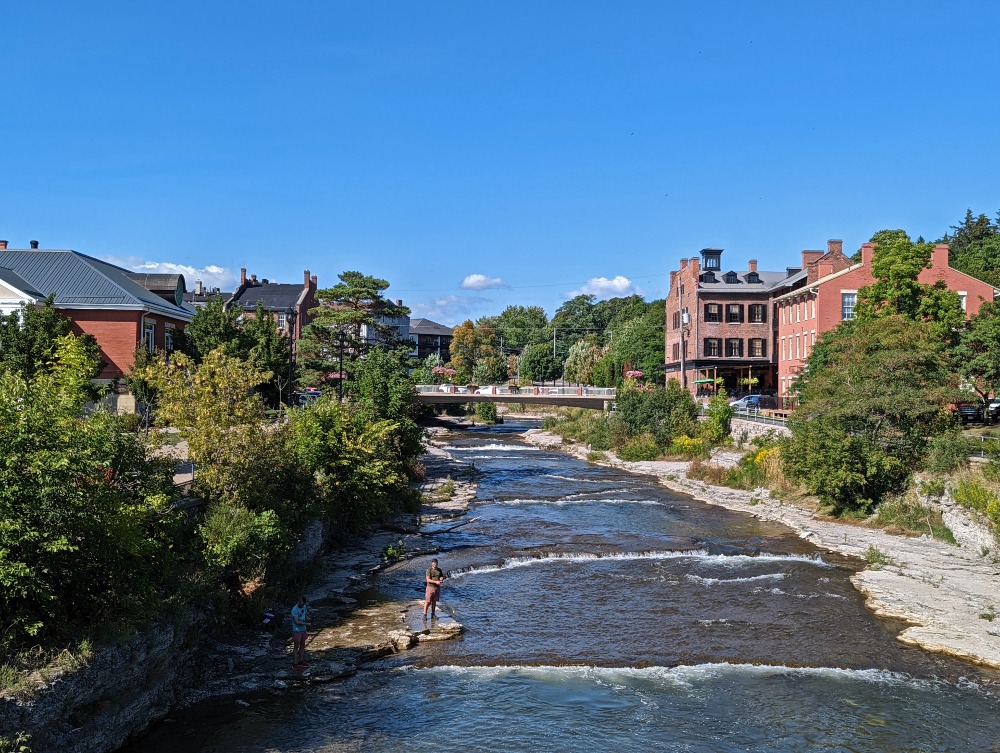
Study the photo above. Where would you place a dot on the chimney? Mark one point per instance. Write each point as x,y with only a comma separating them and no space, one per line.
306,282
752,265
939,257
809,259
33,244
835,245
867,251
695,266
253,280
3,245
243,275
399,301
315,280
265,281
198,289
684,264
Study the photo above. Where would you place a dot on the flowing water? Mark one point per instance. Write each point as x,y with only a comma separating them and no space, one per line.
603,612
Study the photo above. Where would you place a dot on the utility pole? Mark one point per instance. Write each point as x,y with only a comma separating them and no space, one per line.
340,381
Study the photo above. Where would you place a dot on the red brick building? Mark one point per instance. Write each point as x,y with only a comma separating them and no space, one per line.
290,303
104,301
719,324
829,294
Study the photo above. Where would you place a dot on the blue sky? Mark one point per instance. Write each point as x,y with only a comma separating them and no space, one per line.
479,155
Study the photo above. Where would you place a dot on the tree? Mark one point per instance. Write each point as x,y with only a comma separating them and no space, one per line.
213,327
870,398
663,412
382,391
519,326
538,364
973,231
896,264
471,345
29,336
267,350
978,350
81,504
580,361
638,343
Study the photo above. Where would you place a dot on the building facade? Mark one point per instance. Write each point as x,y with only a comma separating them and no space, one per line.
431,338
830,294
720,326
101,300
290,303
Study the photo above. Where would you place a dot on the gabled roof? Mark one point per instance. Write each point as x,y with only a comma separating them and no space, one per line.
274,296
13,281
428,327
83,282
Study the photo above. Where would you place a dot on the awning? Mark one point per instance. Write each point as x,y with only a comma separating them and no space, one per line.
704,381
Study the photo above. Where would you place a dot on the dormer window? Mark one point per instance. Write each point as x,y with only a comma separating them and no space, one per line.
731,278
708,277
753,277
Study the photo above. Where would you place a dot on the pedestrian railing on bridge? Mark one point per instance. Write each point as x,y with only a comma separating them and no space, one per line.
607,393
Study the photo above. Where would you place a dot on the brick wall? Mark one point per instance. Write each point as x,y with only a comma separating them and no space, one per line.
118,333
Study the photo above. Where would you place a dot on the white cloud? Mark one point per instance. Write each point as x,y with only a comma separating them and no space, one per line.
449,310
602,287
482,282
211,275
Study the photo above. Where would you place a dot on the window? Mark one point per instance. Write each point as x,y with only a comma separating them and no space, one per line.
677,320
798,341
281,320
731,278
734,347
847,303
796,311
753,277
149,336
813,308
713,347
675,351
758,347
711,262
734,313
758,313
783,317
708,277
961,300
168,339
713,312
784,349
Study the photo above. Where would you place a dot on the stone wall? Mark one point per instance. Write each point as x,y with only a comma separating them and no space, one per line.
744,430
119,692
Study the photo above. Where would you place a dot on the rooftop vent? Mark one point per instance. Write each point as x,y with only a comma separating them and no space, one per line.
33,244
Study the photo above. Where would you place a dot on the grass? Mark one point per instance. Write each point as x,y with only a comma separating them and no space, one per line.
904,514
21,672
596,457
990,614
394,551
877,558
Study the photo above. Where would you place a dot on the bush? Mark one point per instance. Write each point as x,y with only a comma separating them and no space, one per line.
975,496
643,447
948,452
241,541
486,412
687,447
581,425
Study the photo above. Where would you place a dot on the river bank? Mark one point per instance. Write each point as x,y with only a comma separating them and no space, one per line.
947,593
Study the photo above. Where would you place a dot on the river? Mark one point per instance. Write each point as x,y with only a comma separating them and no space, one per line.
604,612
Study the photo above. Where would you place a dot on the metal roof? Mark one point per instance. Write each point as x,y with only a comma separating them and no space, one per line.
768,281
274,296
81,281
428,327
14,280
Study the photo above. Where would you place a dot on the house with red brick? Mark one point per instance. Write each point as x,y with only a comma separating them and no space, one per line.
290,303
102,300
830,293
720,326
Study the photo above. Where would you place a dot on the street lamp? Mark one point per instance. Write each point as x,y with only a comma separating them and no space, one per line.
290,315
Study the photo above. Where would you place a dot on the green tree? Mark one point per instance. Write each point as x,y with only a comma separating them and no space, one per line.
978,350
29,336
580,361
519,326
213,327
870,399
638,343
382,391
267,350
81,504
663,412
896,264
538,364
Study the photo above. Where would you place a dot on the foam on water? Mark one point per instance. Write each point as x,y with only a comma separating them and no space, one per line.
564,501
726,581
492,448
737,560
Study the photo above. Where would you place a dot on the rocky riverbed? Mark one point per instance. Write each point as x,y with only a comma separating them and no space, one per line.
947,593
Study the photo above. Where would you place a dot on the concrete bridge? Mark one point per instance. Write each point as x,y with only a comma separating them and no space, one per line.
598,398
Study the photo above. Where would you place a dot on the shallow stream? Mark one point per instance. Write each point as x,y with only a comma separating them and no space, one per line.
604,612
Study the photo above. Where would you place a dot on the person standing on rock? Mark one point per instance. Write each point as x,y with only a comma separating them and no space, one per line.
432,594
300,628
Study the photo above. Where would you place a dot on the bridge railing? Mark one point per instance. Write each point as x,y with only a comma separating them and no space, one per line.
607,393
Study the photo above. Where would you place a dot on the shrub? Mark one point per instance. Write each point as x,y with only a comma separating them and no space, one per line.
643,447
582,425
688,447
242,541
975,496
486,412
948,452
707,472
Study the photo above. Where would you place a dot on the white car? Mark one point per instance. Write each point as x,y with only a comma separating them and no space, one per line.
485,390
750,402
453,388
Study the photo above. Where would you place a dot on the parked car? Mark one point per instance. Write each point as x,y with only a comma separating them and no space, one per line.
993,410
969,412
484,390
453,388
749,402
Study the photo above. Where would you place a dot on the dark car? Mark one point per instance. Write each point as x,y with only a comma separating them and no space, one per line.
969,412
993,410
